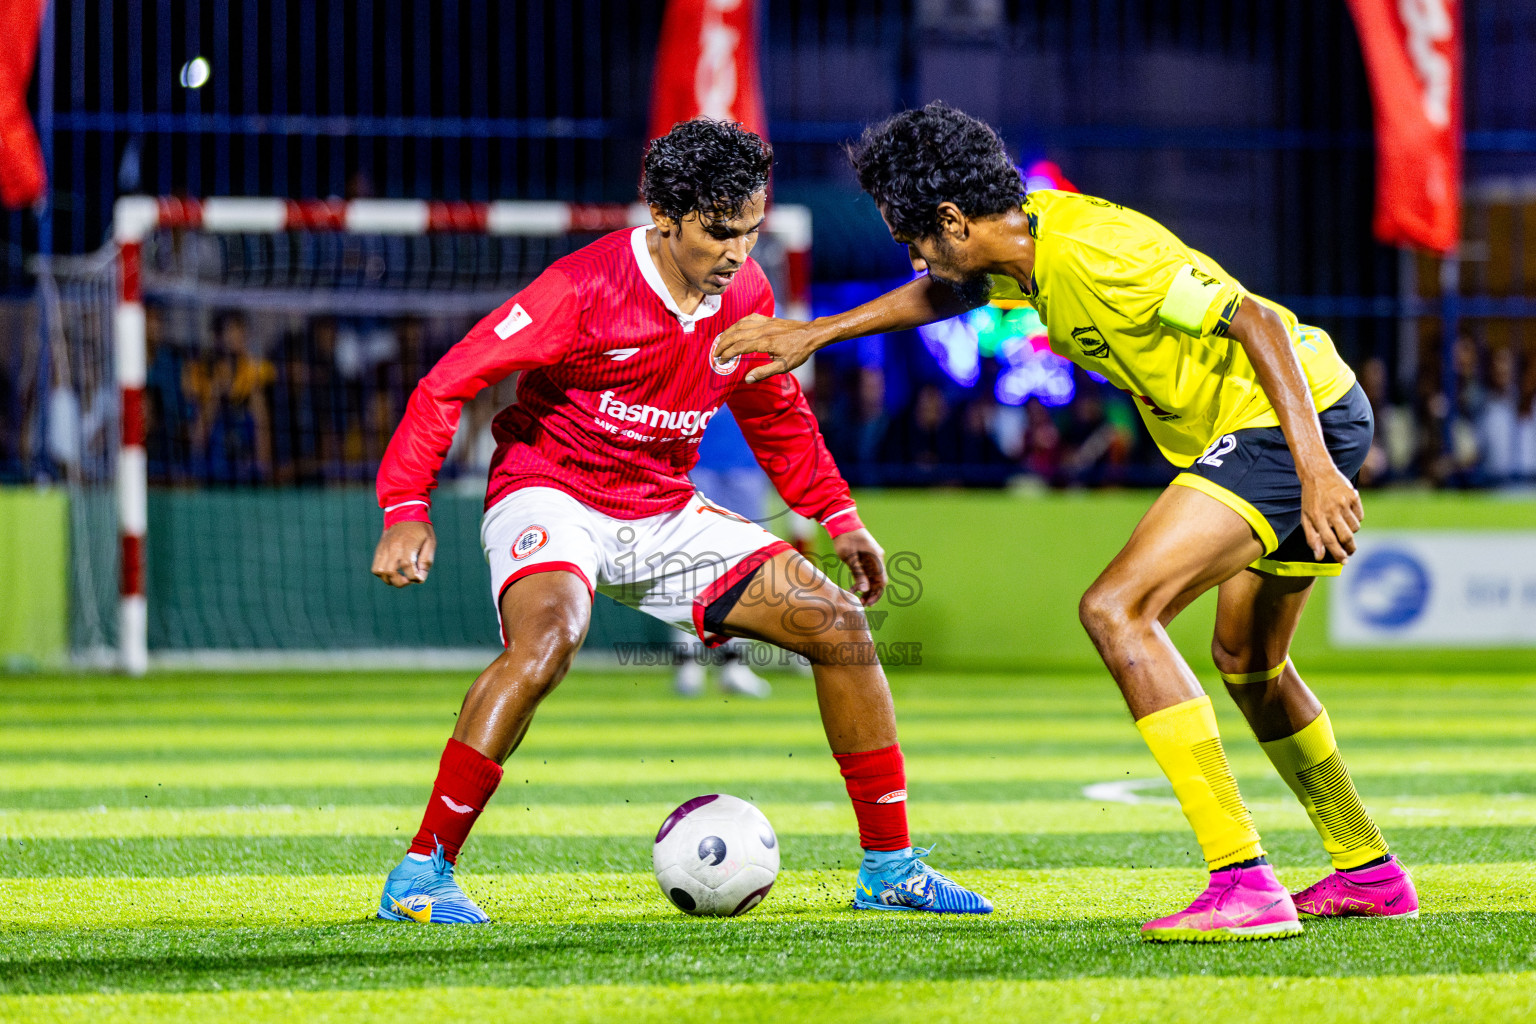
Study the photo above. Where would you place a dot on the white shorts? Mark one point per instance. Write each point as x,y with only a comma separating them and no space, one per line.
670,566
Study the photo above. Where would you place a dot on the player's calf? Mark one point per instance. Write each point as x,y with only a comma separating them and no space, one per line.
798,608
545,617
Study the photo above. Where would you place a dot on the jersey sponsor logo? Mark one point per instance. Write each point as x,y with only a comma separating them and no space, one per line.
530,540
516,319
1152,407
455,806
1218,451
895,796
1091,341
685,421
618,355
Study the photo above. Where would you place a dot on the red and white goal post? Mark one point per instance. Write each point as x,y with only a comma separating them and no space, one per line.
137,218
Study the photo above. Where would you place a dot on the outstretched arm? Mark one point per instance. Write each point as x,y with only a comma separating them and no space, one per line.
533,328
920,301
1330,505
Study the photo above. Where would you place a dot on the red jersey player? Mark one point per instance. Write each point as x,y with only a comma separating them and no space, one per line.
589,491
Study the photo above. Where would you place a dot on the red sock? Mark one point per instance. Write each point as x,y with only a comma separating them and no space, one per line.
466,779
877,784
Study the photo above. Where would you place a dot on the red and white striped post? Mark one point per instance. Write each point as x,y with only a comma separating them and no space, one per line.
136,216
133,219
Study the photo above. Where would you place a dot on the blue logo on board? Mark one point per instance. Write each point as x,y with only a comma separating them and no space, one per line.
1389,588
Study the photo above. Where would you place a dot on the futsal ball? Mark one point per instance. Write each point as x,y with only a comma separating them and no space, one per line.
716,856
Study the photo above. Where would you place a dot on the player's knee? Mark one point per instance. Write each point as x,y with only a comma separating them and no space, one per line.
1103,612
1231,657
827,614
833,628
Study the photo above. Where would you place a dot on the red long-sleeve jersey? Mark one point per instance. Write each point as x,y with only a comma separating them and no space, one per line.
618,387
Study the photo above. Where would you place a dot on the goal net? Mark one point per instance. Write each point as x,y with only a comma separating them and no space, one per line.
261,354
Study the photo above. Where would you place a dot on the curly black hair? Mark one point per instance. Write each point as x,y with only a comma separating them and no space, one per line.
705,166
915,160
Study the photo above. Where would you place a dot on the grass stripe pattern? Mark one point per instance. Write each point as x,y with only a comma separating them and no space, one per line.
211,847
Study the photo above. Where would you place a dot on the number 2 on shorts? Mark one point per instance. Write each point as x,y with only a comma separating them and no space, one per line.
1220,447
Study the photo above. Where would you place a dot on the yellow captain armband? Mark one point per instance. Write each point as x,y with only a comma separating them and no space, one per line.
1189,297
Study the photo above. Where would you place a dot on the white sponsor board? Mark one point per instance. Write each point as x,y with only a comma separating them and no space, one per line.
1437,589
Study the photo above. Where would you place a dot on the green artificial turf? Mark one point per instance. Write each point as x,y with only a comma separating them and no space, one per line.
211,847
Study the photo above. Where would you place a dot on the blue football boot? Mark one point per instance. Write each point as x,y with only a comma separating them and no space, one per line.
906,883
424,891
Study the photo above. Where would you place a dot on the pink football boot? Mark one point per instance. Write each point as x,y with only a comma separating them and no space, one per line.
1383,891
1239,904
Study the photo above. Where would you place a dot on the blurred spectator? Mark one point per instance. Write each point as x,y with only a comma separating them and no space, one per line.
1042,441
925,437
394,380
1095,444
82,410
1465,455
165,409
1525,423
1393,445
303,405
1449,436
10,422
873,422
1498,418
979,455
321,411
227,387
364,348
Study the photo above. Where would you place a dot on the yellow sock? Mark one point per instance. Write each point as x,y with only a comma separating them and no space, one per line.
1309,763
1184,740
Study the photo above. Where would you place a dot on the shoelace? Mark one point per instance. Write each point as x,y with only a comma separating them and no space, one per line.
442,883
909,867
914,865
1217,889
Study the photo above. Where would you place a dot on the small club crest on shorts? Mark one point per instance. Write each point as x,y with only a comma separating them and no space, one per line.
530,540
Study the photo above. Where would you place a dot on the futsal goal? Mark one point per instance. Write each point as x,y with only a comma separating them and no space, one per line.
249,359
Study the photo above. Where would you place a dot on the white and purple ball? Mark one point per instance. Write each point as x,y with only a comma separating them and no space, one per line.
716,856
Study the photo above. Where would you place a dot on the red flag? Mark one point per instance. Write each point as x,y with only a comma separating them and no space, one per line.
23,178
707,64
1413,55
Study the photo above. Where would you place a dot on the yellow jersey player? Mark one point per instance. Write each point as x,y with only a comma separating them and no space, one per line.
1265,422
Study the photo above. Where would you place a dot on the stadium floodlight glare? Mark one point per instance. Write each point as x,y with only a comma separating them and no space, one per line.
195,73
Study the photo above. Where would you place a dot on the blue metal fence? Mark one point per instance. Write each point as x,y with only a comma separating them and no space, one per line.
1245,126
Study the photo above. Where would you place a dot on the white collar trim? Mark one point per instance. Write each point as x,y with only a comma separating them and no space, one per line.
708,307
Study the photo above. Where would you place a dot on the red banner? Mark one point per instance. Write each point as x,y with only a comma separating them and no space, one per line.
707,64
23,179
1413,55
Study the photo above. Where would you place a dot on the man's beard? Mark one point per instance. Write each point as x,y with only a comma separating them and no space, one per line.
973,290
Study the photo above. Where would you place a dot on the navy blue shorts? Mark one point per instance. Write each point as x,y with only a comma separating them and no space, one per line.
1251,471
